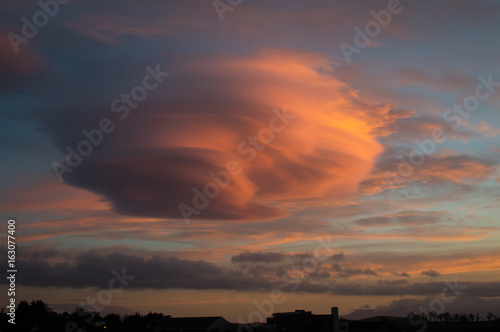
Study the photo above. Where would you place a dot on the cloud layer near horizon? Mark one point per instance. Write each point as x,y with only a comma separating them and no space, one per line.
89,269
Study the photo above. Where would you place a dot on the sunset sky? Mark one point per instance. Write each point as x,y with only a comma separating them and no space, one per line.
344,153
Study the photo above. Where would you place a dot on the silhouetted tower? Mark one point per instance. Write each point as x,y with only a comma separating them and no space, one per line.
335,318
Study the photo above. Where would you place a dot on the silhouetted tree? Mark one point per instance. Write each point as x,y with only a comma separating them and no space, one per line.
31,315
152,318
134,323
113,322
37,314
489,316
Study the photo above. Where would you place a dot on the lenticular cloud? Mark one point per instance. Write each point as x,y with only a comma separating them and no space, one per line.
225,110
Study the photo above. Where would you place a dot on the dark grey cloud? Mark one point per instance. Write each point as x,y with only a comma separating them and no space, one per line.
276,257
41,254
338,256
430,273
347,271
397,282
402,274
276,265
91,269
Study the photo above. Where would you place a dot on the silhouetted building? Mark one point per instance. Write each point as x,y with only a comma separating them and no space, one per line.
305,321
195,324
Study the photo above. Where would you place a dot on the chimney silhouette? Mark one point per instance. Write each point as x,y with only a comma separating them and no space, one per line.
335,318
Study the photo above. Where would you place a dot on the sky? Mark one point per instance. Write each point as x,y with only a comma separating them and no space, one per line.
240,158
